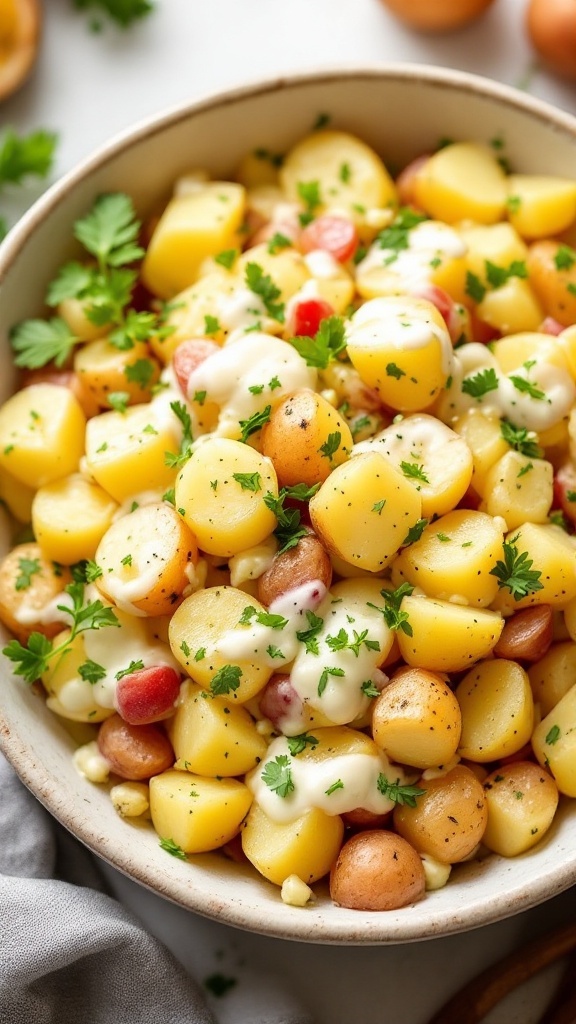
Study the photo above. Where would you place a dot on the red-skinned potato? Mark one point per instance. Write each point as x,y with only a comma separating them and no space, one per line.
437,15
377,870
134,752
148,694
551,26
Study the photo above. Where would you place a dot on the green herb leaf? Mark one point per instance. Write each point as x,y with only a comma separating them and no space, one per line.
226,679
400,794
516,573
248,481
297,744
326,346
521,440
394,617
172,848
263,286
27,568
278,776
37,342
23,156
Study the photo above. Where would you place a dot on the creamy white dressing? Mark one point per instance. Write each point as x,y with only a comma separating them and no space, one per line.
330,680
317,784
250,564
506,400
413,267
254,360
115,648
29,615
386,322
322,264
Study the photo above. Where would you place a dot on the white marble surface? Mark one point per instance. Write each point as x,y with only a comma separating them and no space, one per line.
88,87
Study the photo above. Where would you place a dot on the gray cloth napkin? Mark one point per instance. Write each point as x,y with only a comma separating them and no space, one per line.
69,952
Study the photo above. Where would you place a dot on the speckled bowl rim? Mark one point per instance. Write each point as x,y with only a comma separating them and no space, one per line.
245,902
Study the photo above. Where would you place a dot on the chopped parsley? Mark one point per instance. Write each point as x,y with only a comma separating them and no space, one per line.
27,568
278,776
400,794
226,680
394,617
263,286
515,573
481,383
326,345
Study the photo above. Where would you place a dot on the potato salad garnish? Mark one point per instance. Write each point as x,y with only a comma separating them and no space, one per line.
291,473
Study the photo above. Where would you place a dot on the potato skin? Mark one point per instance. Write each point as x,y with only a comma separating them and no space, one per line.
45,583
449,818
305,562
135,752
293,438
377,870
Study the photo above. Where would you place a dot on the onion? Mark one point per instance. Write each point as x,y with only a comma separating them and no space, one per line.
437,15
551,28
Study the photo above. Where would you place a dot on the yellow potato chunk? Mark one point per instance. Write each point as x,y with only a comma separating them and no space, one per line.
453,559
522,800
497,710
401,347
70,696
319,158
192,227
306,438
17,496
220,490
125,451
416,719
519,489
552,274
462,181
434,255
286,267
552,676
104,368
196,629
29,582
514,306
145,558
554,742
482,432
306,847
364,510
41,434
551,553
69,518
188,312
496,244
515,349
540,205
213,738
73,312
197,814
446,637
434,460
449,818
336,287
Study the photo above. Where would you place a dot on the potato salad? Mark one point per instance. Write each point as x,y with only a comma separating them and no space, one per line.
291,478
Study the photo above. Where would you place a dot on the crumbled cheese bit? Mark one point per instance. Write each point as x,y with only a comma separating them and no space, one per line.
90,763
295,892
130,799
250,564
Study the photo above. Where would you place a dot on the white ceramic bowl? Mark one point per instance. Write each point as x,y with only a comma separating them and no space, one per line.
401,111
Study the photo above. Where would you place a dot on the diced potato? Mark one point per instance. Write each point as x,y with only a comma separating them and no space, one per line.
306,847
213,738
125,451
447,637
554,742
483,434
497,710
197,814
336,287
347,173
17,496
416,719
522,800
192,227
516,349
551,552
187,313
70,696
69,518
453,559
519,489
448,819
540,206
434,255
514,306
41,434
496,244
197,627
306,438
364,511
553,675
145,559
287,268
259,167
29,583
434,460
552,275
104,368
73,312
220,490
401,347
462,181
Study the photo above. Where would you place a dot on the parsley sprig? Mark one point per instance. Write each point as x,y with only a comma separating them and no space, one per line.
394,617
400,794
263,286
290,529
521,440
22,157
396,236
278,776
325,346
34,659
123,12
181,413
515,573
